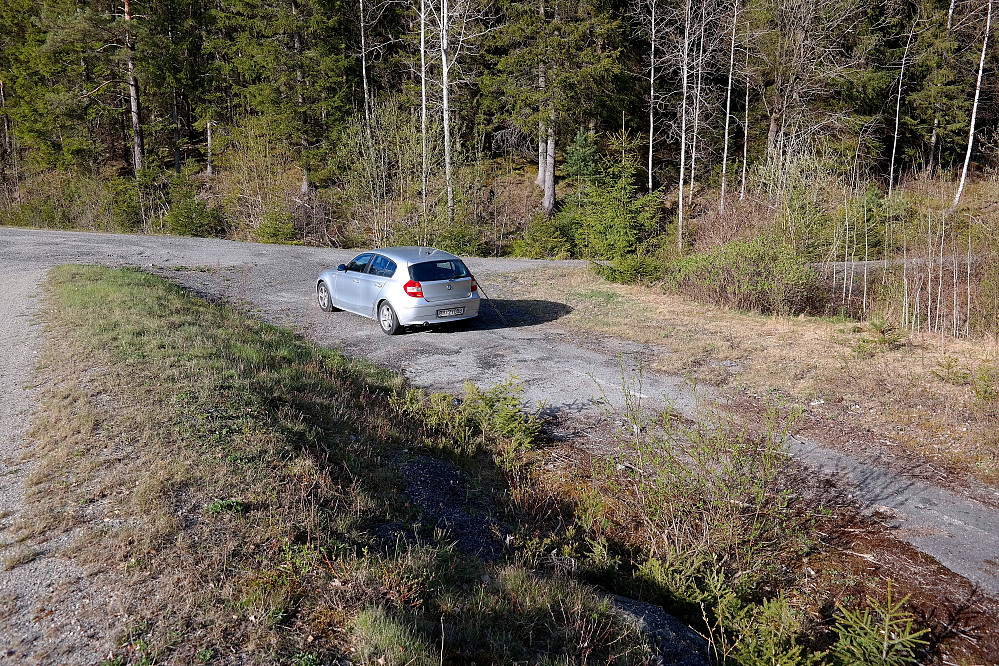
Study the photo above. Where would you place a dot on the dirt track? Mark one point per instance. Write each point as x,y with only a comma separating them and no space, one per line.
573,379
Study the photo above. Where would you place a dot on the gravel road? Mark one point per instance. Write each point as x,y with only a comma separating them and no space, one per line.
576,381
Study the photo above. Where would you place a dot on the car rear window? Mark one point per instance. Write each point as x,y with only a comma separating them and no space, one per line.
431,271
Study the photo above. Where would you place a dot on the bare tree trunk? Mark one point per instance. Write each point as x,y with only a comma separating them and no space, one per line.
542,138
209,170
6,145
364,72
867,246
940,272
684,72
6,148
300,99
176,130
652,85
728,106
542,135
446,111
425,176
935,137
697,112
956,262
898,113
929,270
974,110
967,324
548,203
133,94
745,129
846,247
905,280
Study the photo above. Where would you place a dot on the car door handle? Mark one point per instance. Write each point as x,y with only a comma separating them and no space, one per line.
379,284
357,282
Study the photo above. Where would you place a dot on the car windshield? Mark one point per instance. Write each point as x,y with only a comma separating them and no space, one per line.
431,271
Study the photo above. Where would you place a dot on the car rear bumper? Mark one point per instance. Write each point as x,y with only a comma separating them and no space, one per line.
426,313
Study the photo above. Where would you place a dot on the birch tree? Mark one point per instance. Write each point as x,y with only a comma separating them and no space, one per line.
728,104
898,112
649,17
135,110
801,52
974,108
460,26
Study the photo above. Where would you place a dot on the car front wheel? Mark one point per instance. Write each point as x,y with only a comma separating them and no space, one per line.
387,319
324,298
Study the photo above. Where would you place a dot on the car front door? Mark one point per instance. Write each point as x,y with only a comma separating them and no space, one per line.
347,293
373,281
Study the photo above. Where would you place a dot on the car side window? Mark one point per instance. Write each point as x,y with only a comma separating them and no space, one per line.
359,263
382,266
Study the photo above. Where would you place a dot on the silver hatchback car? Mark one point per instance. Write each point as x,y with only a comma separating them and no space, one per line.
401,286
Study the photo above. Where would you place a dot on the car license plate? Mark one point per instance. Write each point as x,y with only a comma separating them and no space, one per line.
451,312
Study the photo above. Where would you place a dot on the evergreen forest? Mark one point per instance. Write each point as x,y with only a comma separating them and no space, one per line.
747,152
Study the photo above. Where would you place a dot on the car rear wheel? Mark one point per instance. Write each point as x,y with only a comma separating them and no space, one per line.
324,298
387,319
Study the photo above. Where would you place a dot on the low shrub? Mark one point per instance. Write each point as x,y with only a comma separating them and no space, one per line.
760,275
481,417
545,238
276,227
188,215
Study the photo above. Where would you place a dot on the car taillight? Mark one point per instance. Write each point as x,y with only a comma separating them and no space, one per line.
414,289
475,285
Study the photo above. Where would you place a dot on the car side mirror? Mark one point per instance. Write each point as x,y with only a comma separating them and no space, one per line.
341,267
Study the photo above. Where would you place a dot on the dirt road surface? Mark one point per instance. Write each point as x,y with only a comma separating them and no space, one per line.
578,381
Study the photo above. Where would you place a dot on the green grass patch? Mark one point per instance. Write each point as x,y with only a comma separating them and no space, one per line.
600,296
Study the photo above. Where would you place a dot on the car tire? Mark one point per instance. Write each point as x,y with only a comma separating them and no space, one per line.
387,320
324,297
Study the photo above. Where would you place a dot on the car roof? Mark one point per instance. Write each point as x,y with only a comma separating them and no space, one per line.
412,254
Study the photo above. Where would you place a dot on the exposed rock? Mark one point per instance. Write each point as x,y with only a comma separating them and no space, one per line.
673,643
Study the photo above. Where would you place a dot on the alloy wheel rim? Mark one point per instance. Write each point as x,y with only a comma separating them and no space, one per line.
324,297
386,317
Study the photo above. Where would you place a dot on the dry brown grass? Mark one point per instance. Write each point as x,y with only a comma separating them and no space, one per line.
18,555
834,369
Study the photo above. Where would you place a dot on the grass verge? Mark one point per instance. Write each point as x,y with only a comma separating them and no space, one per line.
265,500
251,490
